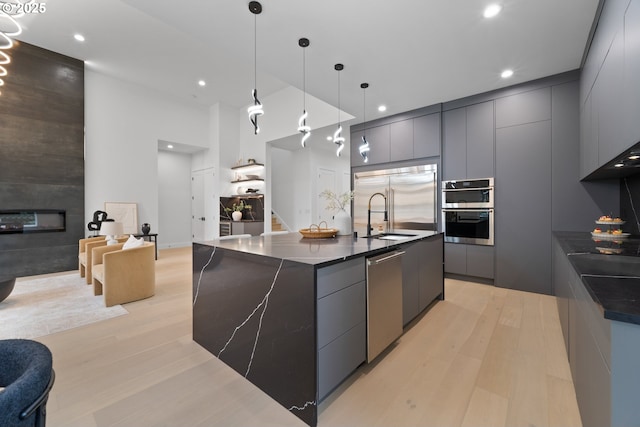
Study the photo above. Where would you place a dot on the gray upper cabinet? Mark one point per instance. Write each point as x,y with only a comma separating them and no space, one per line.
588,139
527,107
401,140
632,71
454,133
426,136
610,93
468,135
480,140
610,87
378,138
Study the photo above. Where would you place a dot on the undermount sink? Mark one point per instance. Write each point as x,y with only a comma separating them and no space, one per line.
393,236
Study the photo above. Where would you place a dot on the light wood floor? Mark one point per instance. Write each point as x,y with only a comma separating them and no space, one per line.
484,357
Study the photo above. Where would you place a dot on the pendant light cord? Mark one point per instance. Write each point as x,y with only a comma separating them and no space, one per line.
304,80
255,51
364,111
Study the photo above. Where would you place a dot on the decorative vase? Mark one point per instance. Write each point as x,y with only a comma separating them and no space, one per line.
342,222
146,228
236,215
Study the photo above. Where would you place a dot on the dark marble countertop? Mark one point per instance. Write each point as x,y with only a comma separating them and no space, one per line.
294,247
612,277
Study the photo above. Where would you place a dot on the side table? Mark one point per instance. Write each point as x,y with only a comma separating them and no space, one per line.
151,237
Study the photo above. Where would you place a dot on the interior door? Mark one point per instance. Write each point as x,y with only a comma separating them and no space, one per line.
197,206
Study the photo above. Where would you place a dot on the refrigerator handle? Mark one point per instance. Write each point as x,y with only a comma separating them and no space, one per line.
392,214
435,200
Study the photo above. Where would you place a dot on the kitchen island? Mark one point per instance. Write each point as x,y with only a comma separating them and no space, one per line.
289,313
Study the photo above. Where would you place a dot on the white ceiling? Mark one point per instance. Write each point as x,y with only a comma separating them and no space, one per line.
413,53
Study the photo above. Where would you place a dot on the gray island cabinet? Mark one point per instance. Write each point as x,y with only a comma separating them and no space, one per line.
289,313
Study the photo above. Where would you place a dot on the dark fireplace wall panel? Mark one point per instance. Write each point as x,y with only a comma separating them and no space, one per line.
42,157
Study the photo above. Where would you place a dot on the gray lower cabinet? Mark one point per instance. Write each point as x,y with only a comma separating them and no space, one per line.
241,227
469,260
422,275
602,353
341,322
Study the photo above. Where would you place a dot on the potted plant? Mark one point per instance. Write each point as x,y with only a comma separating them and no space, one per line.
338,203
236,210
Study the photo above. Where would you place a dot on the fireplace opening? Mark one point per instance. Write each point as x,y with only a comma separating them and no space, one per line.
32,221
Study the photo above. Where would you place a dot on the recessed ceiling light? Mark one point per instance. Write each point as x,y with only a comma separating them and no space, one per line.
618,165
330,138
382,108
78,37
492,10
202,83
506,74
169,146
634,157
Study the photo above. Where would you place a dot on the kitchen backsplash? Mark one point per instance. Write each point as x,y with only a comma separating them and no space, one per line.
630,203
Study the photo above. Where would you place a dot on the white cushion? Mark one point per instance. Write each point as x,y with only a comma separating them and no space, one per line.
132,242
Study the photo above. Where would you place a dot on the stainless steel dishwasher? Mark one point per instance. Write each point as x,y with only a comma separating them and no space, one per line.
384,301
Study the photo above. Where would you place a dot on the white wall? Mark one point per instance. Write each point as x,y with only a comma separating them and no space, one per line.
174,200
123,123
280,120
294,188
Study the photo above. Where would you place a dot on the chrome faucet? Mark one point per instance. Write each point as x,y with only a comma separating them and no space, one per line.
386,215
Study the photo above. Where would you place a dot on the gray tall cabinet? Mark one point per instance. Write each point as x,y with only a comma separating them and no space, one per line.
468,152
523,191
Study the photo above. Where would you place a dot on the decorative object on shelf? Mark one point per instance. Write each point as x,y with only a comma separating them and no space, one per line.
251,161
364,147
303,128
338,203
317,232
256,109
338,139
146,228
237,208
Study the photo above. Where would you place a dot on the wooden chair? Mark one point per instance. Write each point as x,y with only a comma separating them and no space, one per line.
124,275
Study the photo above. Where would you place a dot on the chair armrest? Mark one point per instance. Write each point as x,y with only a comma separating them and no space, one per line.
82,243
98,252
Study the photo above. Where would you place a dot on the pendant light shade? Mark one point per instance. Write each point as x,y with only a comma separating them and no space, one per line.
337,136
303,128
256,109
364,146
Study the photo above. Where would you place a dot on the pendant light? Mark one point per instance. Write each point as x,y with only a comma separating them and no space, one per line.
337,136
364,147
256,109
303,128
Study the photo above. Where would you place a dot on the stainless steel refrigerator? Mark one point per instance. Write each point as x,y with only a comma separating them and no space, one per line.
411,194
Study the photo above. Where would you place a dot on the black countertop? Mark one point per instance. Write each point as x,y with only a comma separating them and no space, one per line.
609,270
294,247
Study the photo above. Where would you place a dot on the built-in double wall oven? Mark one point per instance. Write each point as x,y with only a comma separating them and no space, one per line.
468,211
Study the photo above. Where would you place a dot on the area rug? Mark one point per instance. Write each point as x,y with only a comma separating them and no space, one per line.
46,305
